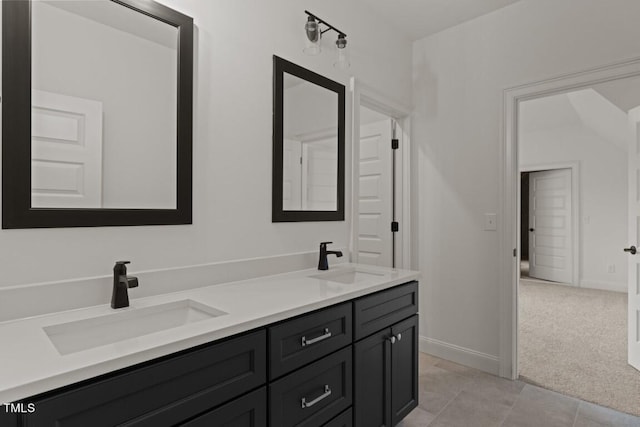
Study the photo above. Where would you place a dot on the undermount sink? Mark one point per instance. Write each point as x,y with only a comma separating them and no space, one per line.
84,334
348,276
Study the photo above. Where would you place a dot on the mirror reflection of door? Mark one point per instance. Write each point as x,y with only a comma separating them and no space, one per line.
310,152
103,53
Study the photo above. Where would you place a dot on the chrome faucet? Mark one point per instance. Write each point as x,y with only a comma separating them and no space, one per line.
121,284
323,264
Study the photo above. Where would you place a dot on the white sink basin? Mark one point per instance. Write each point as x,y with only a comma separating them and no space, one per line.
348,276
84,334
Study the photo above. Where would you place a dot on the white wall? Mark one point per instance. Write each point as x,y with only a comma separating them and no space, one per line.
234,44
602,189
458,79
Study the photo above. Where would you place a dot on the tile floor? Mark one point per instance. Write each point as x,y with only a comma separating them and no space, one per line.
453,395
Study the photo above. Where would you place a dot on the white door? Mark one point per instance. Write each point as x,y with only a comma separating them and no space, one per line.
320,174
634,240
374,231
292,175
66,151
550,226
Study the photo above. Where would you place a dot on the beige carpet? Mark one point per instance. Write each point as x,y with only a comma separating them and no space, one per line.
574,341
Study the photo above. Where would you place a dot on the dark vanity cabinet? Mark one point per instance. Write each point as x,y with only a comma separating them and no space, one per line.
165,392
7,418
386,361
351,364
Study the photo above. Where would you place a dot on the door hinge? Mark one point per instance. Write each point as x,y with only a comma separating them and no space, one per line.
395,143
515,252
395,226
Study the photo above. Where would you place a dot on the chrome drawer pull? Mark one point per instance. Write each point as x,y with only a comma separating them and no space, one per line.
306,342
327,393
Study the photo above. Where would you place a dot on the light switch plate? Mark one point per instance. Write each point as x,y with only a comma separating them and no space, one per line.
490,221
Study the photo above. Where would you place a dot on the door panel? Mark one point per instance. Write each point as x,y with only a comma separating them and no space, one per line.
375,199
550,226
292,175
634,239
66,168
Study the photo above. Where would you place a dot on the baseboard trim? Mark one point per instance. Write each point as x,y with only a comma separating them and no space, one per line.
464,356
604,286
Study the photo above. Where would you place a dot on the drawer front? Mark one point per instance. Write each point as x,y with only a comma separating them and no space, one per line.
300,341
313,395
161,393
382,309
249,410
343,420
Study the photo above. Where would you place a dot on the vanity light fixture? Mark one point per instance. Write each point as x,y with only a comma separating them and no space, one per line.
313,32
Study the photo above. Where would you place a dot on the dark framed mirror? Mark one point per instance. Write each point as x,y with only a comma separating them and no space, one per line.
96,114
308,145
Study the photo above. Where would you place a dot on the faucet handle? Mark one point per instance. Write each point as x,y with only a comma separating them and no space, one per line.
121,267
325,244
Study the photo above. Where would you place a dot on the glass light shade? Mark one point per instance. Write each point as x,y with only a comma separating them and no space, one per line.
313,38
342,58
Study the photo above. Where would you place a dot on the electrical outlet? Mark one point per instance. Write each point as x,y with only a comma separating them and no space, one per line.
611,268
490,221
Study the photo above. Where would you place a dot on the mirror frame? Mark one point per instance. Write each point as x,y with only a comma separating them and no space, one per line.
16,129
278,214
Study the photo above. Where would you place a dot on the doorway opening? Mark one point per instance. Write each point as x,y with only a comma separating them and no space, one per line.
381,220
577,186
549,225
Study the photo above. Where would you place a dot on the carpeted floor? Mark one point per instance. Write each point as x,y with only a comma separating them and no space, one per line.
574,341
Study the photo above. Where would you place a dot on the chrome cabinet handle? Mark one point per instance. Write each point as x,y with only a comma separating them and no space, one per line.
327,393
394,338
306,342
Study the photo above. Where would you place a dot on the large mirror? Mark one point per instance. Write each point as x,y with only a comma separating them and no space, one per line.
308,145
97,114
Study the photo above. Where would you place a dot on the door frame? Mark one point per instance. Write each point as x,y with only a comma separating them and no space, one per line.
575,212
509,188
362,94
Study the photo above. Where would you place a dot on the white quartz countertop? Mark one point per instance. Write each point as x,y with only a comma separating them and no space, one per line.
30,364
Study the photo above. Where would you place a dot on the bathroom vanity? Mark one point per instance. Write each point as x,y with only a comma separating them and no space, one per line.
334,348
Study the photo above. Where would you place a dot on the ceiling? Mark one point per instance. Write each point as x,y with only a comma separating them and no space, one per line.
624,93
420,18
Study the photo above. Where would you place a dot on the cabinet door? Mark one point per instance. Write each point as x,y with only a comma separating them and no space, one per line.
404,368
372,375
7,418
249,410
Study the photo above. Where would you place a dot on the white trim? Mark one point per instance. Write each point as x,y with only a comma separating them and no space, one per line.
508,195
605,286
462,355
575,214
362,94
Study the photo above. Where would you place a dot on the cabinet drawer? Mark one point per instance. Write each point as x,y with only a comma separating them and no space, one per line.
345,419
300,341
313,395
382,309
247,411
160,393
